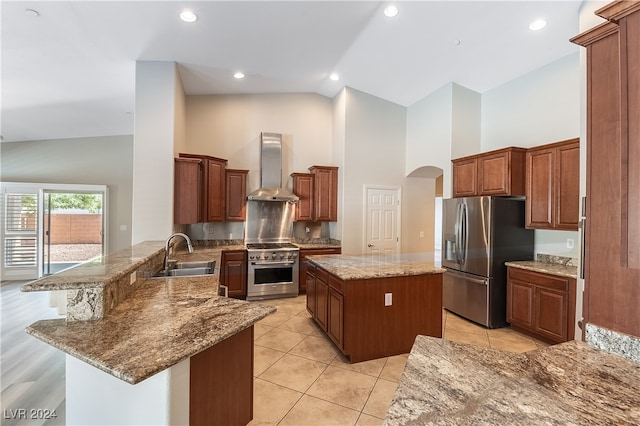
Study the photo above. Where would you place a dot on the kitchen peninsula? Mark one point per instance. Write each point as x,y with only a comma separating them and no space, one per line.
171,352
372,306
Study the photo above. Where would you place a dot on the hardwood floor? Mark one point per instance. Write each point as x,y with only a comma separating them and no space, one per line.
32,372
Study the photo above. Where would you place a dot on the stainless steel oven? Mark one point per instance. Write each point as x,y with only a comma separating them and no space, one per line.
272,270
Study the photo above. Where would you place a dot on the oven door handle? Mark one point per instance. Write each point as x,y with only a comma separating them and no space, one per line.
271,263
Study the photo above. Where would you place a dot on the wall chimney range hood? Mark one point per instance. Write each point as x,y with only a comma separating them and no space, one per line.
271,171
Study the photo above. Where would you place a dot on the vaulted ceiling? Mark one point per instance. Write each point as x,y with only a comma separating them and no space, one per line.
68,68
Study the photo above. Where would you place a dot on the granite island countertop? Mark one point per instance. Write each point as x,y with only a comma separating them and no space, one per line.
162,323
571,383
349,267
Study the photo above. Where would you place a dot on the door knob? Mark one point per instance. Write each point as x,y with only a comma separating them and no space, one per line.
369,245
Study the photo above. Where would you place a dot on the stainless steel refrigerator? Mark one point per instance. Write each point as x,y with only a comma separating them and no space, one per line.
480,234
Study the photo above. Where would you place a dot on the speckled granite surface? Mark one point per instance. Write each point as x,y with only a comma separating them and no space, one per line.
572,383
318,243
374,266
162,323
547,268
94,288
612,341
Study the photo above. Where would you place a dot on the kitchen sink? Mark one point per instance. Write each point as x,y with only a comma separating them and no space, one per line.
186,269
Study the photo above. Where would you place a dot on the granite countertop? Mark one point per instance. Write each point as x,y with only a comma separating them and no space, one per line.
376,266
318,243
549,264
98,272
104,270
452,383
162,323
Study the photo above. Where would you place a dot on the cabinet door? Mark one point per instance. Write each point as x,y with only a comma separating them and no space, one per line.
235,195
540,188
567,186
325,190
233,273
311,293
465,174
303,188
520,303
335,318
187,190
322,296
215,182
551,313
494,174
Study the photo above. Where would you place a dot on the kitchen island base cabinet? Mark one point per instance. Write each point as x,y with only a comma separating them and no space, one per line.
359,318
213,387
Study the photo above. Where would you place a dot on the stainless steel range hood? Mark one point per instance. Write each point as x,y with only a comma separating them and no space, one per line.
271,171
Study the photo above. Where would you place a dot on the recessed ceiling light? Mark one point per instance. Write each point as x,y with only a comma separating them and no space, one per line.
188,16
538,24
32,12
334,77
238,75
390,11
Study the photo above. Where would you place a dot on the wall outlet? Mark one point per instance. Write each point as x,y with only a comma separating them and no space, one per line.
132,278
123,228
570,243
388,299
421,234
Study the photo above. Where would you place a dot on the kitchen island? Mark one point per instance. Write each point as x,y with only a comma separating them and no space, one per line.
375,306
571,383
171,352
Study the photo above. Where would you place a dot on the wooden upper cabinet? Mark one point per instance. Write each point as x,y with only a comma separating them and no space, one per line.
187,190
465,177
235,195
325,193
553,186
214,189
303,188
499,172
212,192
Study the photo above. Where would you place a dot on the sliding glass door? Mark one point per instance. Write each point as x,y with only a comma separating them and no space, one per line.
72,229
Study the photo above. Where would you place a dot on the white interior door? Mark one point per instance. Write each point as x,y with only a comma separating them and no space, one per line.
382,224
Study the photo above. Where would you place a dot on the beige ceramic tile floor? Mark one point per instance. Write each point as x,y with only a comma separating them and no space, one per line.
302,379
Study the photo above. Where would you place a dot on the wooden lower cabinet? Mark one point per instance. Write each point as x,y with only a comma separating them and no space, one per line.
221,382
321,299
233,272
335,317
541,305
302,280
354,315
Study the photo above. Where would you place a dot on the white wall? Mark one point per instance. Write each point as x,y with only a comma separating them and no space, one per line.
153,150
428,140
96,161
229,126
374,154
538,108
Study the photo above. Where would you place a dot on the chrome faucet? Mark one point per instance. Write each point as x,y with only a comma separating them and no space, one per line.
166,246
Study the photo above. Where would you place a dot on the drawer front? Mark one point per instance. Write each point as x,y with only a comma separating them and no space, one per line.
540,279
322,275
336,284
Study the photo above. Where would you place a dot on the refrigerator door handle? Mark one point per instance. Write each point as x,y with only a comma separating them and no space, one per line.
463,233
457,232
467,277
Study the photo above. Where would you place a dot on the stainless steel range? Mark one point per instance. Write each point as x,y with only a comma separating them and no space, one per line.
272,271
272,260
